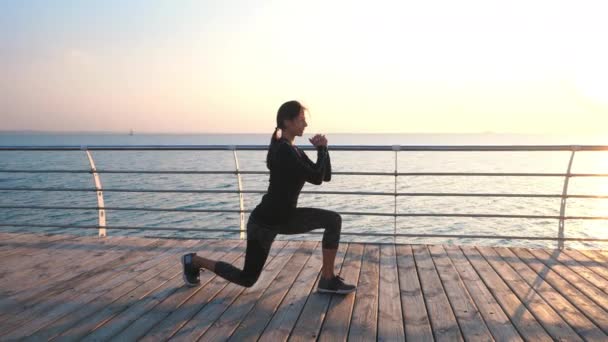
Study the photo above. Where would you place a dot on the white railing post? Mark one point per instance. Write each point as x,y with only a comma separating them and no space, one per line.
396,148
99,192
562,209
241,200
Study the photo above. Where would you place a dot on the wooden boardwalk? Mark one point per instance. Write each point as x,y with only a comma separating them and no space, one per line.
60,287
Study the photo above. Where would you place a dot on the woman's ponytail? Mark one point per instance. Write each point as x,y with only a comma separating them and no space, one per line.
276,136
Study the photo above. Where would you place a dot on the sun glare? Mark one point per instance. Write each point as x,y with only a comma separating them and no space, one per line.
593,85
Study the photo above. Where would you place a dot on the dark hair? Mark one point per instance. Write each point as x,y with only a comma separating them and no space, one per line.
288,111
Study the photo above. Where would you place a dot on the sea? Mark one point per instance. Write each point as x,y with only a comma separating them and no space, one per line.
348,161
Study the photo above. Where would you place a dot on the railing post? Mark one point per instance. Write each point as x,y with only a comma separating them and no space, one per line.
396,148
241,201
99,192
562,209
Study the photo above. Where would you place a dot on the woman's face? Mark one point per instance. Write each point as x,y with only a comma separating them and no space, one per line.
297,125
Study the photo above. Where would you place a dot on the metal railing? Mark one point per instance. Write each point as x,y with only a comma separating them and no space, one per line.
101,208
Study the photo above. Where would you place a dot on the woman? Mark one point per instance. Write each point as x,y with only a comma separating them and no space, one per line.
277,213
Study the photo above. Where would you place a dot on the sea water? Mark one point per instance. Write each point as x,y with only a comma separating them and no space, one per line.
427,161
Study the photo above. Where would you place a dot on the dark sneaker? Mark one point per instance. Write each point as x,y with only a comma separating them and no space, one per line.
335,285
190,274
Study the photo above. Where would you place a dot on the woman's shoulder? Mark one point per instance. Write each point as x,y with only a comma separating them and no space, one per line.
284,146
286,150
280,149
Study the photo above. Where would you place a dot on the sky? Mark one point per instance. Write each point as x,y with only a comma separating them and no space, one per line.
225,66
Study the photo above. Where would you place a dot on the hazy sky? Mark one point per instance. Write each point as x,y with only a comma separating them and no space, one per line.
530,66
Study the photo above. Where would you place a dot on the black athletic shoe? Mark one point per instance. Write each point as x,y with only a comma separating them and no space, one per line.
190,274
335,285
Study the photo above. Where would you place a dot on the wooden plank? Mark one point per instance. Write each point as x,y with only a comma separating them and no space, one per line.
535,278
79,295
520,316
120,298
577,297
6,232
59,248
286,316
91,295
469,319
42,261
121,321
254,323
595,255
569,312
444,324
31,303
416,319
549,318
226,324
30,243
90,300
214,309
390,314
7,236
31,252
495,318
30,290
64,247
56,261
577,267
337,321
364,322
311,318
582,284
110,255
164,312
599,268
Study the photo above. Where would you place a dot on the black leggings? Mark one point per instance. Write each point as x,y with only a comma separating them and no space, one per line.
260,238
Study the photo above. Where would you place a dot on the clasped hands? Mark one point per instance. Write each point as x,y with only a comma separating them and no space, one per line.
318,140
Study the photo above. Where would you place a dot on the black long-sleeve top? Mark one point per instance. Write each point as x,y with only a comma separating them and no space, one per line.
289,168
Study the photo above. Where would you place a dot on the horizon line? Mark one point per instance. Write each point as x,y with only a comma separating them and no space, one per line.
121,132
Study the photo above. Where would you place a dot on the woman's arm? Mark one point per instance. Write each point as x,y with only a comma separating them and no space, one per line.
327,176
320,141
303,167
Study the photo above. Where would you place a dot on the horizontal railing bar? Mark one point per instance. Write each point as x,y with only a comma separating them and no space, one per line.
367,193
117,227
135,190
354,213
182,172
454,194
346,173
44,171
131,190
587,196
462,148
131,171
498,174
43,207
462,236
